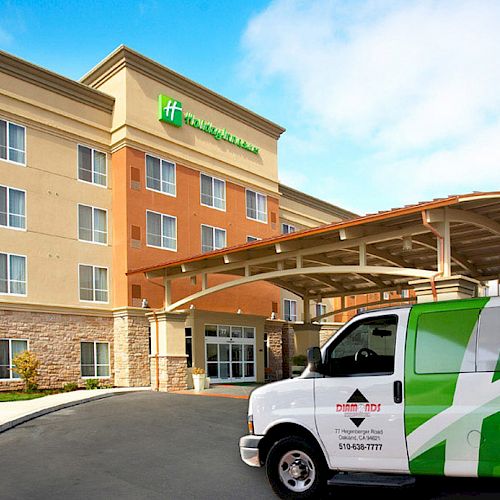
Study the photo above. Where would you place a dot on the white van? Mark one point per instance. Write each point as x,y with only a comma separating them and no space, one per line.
395,393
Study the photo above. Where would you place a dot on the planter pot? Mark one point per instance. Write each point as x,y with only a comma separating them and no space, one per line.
199,382
207,382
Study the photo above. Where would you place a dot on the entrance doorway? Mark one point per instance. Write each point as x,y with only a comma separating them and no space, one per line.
230,353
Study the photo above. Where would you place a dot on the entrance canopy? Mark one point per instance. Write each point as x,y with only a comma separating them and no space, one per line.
458,235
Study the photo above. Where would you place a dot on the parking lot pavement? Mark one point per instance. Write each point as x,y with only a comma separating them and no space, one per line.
151,445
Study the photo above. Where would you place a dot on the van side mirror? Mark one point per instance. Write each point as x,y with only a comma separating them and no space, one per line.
314,360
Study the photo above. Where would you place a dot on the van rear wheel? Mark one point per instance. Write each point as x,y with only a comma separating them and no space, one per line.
296,469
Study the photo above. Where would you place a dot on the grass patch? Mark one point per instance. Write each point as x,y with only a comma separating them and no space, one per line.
23,396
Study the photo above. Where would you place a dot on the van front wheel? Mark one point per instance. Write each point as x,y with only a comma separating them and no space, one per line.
295,469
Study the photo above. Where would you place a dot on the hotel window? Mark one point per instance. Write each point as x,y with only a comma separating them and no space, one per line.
320,310
256,206
161,231
290,310
405,294
212,238
93,283
287,228
12,208
386,295
94,358
12,142
92,224
92,166
12,274
213,192
252,238
160,175
9,349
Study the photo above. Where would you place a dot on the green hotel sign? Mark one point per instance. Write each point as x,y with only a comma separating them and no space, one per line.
170,111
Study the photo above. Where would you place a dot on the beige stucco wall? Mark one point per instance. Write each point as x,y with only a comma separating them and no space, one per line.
135,123
197,321
55,125
303,216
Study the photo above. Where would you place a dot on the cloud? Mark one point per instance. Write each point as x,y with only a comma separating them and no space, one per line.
415,82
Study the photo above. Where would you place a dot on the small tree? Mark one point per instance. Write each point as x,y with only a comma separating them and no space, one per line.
26,365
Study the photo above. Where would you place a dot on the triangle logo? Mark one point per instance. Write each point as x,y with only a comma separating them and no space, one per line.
357,421
357,397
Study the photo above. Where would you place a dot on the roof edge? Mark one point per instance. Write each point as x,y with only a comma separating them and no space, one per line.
36,75
301,197
124,56
428,205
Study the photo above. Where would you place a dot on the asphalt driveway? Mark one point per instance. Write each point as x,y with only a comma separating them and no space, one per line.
150,446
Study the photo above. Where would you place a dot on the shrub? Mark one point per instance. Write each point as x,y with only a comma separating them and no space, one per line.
70,387
299,360
26,365
92,383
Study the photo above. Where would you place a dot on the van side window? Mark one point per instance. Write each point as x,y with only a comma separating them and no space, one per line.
488,342
446,341
365,348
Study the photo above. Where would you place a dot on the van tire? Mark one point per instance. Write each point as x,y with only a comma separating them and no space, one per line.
296,469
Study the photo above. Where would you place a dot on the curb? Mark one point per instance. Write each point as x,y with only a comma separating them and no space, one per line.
212,394
40,413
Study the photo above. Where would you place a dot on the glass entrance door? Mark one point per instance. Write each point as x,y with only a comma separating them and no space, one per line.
230,353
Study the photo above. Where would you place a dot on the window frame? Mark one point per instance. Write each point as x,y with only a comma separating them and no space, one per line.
174,194
284,310
95,342
93,284
214,228
8,226
9,279
212,180
79,145
93,229
11,378
289,226
257,193
322,307
8,122
161,230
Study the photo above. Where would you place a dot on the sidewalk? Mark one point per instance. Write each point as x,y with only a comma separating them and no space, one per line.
16,412
224,391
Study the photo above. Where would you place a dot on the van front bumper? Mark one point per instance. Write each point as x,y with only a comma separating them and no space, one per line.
249,450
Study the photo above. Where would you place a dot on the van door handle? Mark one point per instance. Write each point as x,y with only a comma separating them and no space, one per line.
398,391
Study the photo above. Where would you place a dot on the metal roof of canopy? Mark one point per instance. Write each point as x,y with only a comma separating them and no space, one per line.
374,253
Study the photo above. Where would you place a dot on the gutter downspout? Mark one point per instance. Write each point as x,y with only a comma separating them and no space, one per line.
440,238
157,355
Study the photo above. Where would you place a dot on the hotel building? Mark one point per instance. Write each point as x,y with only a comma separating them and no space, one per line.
131,166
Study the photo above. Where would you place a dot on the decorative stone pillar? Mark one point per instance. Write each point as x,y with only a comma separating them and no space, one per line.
131,351
274,331
288,344
168,351
306,335
452,288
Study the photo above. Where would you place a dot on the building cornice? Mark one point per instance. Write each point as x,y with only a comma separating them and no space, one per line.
55,309
310,201
41,77
124,57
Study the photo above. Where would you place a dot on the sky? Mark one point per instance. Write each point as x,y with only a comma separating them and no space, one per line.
385,103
